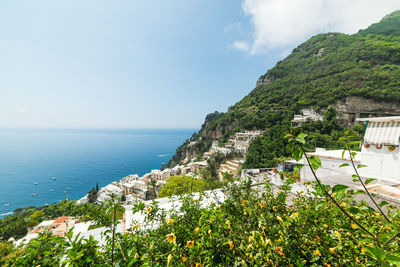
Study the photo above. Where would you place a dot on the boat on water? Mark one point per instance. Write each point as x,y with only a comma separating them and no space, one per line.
7,204
54,178
51,190
65,192
68,188
80,183
35,183
34,194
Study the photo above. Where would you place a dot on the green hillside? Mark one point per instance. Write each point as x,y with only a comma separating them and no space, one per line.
326,68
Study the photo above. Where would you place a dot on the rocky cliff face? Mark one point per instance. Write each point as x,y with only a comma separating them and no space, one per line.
353,107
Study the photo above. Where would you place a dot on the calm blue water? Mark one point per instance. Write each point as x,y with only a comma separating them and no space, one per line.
78,159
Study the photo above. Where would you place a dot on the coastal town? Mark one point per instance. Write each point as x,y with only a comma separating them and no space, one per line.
133,186
380,153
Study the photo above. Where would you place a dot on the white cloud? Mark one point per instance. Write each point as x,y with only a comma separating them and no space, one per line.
240,45
284,24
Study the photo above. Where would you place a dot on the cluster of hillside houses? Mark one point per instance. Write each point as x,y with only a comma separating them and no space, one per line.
147,186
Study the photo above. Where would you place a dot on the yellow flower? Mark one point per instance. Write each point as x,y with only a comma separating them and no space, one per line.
209,232
136,226
327,265
318,239
171,238
363,249
190,244
279,219
196,230
243,202
294,216
212,202
169,259
136,255
279,250
332,250
228,223
148,210
337,234
184,259
344,205
262,205
316,252
169,221
219,206
230,243
354,226
198,264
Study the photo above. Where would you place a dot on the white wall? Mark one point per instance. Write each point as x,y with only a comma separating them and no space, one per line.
382,163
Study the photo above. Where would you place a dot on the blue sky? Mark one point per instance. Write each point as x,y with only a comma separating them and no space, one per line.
147,64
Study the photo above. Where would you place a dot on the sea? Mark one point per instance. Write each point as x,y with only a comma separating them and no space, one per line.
43,166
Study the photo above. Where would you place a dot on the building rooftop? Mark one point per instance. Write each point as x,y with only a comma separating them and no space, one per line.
393,118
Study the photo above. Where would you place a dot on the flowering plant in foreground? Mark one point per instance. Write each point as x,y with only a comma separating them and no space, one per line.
254,226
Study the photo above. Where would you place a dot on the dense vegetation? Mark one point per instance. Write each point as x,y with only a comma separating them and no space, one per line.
177,185
267,150
319,72
17,225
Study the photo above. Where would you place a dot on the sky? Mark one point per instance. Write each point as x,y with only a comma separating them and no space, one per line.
154,63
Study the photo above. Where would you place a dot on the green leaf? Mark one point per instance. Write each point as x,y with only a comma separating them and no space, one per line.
315,162
376,252
383,203
297,168
344,165
369,180
290,146
297,154
339,187
301,138
360,192
393,259
354,210
355,180
361,166
355,142
288,136
320,189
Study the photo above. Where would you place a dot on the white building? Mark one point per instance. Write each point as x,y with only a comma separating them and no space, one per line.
307,114
380,154
380,150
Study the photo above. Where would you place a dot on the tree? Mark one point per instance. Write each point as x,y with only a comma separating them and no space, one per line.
12,226
181,184
92,196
